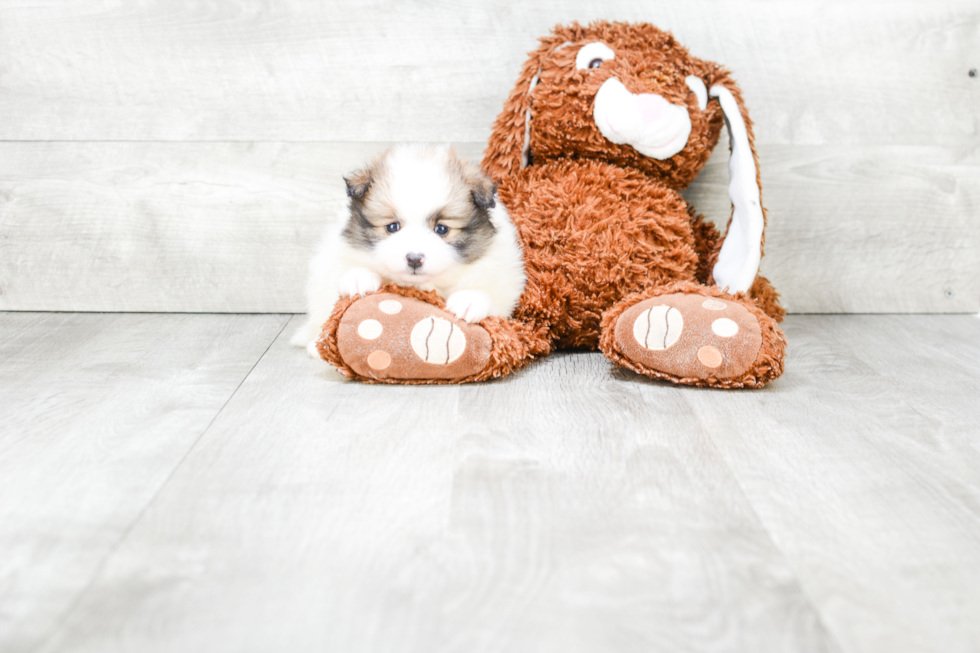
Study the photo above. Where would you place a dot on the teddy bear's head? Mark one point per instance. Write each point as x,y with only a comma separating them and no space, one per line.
630,95
624,93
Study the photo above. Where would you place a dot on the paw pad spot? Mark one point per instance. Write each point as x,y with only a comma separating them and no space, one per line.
714,305
437,341
658,327
379,360
710,357
724,327
390,306
369,329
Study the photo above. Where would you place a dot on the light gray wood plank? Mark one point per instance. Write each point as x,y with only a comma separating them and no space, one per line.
863,229
813,72
97,411
212,227
307,492
862,462
229,227
562,509
625,525
571,505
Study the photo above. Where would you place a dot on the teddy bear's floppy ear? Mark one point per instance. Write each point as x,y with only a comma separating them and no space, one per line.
507,148
741,252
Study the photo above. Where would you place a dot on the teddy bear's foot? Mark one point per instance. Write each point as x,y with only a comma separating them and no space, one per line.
698,339
386,336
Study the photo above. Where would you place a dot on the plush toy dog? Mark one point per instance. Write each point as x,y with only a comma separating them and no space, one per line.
607,123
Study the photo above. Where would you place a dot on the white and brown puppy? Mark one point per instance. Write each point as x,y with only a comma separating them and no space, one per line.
418,216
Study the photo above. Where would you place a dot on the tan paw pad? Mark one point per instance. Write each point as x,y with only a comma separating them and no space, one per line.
370,329
379,360
390,306
658,327
710,357
438,341
724,327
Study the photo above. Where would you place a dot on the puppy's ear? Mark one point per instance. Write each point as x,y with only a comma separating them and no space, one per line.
481,187
358,183
483,192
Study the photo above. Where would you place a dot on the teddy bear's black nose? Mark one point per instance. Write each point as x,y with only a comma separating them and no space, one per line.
414,260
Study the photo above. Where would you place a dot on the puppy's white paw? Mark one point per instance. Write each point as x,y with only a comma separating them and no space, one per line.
358,281
309,331
469,305
312,350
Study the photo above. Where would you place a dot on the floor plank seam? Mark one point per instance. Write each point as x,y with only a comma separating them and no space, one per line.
804,592
139,516
830,634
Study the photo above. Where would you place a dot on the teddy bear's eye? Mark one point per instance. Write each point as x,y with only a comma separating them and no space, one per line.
592,55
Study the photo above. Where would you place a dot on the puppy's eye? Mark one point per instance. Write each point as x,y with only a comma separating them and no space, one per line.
393,227
441,230
592,55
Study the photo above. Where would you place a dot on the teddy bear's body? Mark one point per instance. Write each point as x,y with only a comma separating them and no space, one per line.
593,233
605,127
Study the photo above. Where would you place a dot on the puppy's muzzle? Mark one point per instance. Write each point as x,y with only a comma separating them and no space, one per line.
414,260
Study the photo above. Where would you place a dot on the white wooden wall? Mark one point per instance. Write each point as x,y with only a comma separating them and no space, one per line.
179,155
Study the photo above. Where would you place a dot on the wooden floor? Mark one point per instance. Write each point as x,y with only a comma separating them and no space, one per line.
191,483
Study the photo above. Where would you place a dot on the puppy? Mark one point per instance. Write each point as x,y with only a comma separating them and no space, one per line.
418,216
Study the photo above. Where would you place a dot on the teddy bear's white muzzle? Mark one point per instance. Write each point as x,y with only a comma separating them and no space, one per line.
650,124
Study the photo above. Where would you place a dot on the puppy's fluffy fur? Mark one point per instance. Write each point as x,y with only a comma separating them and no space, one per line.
418,216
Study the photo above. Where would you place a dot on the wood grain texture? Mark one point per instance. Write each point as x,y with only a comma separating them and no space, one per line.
230,227
862,462
863,229
813,72
642,540
96,413
866,119
570,507
563,509
212,227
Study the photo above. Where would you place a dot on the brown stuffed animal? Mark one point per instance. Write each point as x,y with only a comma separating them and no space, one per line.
605,126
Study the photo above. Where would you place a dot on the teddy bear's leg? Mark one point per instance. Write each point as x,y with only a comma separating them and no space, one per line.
694,335
401,335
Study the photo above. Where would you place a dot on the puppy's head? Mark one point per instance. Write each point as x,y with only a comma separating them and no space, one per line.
420,211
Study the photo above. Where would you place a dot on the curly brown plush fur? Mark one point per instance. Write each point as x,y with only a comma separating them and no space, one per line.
604,227
561,105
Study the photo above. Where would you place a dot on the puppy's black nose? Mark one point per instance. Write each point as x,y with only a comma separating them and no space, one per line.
414,260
